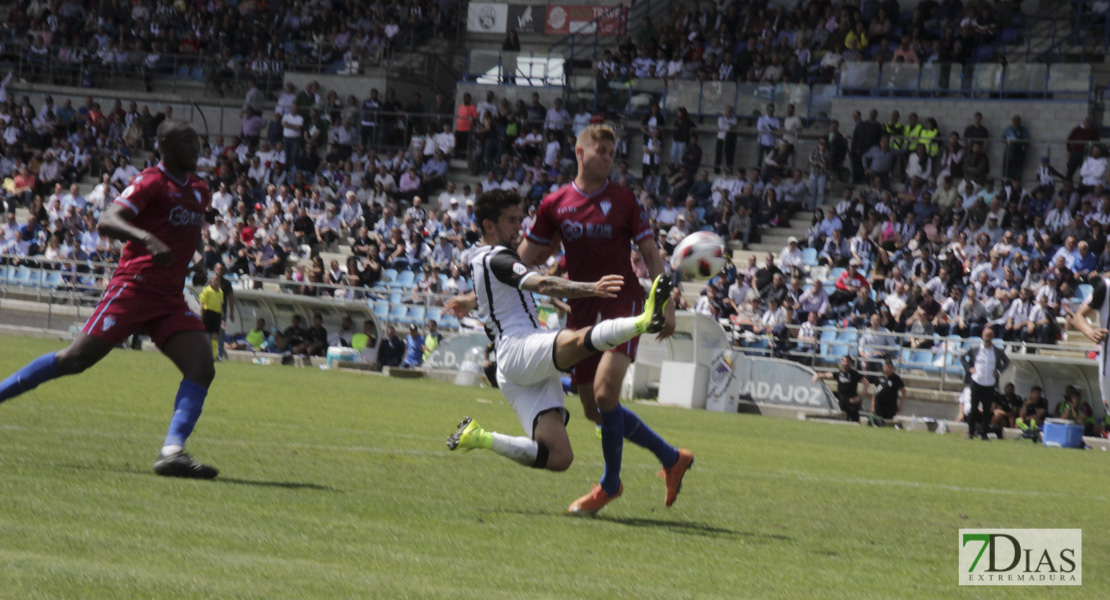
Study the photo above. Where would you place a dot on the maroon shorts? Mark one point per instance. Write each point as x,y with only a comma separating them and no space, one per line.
128,306
587,311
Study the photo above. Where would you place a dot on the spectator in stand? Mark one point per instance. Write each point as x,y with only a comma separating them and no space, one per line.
1093,171
1016,138
1079,139
847,285
767,125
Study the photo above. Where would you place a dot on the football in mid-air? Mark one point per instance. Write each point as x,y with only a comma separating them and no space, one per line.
700,255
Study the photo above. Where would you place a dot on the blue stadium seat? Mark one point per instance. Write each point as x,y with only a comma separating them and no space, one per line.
406,279
22,276
395,298
389,275
809,257
826,338
415,316
1009,36
52,280
434,313
923,360
1084,291
449,322
3,274
398,312
381,309
834,274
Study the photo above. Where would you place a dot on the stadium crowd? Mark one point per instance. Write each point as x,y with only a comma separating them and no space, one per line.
229,40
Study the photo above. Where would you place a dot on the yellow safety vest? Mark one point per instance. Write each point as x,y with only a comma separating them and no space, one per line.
895,131
928,138
914,134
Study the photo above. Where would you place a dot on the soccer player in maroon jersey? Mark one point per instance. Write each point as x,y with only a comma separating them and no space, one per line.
597,222
159,216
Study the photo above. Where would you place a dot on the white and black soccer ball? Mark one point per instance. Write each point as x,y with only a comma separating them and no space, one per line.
700,255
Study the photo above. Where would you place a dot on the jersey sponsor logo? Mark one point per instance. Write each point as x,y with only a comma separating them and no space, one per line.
566,209
572,230
605,207
109,321
599,230
183,217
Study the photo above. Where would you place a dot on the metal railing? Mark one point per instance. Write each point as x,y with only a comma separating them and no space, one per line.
981,81
924,355
613,22
1073,24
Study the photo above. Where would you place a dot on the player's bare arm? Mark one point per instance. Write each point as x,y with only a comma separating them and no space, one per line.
558,287
1080,322
115,223
534,253
654,262
461,305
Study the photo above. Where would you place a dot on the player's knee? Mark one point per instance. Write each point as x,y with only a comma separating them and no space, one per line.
592,414
560,461
202,373
72,363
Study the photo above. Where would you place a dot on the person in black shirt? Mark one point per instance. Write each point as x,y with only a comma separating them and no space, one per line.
1033,410
392,349
847,387
316,338
890,393
295,335
1006,407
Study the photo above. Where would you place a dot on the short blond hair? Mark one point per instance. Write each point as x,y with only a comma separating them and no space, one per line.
596,133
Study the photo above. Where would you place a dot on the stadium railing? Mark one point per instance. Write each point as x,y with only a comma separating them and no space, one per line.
980,81
1073,23
939,361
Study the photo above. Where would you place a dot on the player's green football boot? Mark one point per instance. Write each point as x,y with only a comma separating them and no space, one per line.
469,436
655,308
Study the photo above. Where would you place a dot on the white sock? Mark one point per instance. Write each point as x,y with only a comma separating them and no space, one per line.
611,333
168,450
519,449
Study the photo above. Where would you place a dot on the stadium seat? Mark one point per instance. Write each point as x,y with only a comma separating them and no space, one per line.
395,298
3,275
923,360
834,274
415,316
22,276
389,275
826,339
809,257
52,280
434,313
381,309
398,312
1084,291
449,322
406,279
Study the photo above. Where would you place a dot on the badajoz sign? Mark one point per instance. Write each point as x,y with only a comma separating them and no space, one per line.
1021,557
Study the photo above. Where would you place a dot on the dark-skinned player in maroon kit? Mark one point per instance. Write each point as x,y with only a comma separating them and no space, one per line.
159,217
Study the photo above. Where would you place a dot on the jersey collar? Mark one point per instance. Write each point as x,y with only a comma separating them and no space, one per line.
595,193
163,169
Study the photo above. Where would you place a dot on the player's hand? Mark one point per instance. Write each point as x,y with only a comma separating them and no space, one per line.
159,251
460,306
608,286
668,323
1101,335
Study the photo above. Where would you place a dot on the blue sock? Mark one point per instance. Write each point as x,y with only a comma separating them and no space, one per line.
640,434
612,445
186,411
38,371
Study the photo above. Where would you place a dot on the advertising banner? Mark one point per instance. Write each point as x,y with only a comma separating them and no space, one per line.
453,352
563,20
526,18
487,18
722,394
735,377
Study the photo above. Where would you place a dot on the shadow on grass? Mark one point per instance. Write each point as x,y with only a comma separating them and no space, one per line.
289,485
683,527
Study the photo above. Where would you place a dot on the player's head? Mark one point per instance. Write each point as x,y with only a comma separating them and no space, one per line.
888,367
594,149
179,145
499,215
845,361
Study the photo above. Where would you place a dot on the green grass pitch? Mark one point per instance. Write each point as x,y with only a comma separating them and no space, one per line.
339,485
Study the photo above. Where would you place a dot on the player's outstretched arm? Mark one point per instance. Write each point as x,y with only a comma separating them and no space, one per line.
461,305
1080,322
557,287
115,223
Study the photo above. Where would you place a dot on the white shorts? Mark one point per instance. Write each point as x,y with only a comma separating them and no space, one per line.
528,377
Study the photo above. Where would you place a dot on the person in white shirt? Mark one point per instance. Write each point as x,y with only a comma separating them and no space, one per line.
767,125
790,257
982,366
1017,317
124,173
678,232
557,117
551,152
726,139
581,119
791,127
1094,168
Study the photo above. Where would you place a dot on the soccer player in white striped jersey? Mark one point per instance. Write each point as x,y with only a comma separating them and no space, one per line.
530,359
1097,304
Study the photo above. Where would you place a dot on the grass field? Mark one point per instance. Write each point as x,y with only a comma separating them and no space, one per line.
338,485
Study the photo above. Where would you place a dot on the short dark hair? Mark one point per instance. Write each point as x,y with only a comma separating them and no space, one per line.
489,205
173,129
